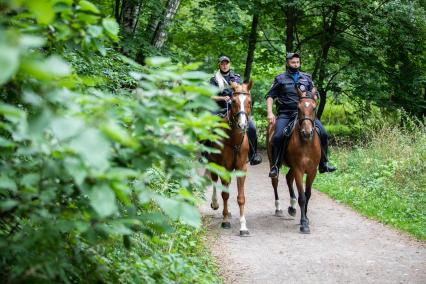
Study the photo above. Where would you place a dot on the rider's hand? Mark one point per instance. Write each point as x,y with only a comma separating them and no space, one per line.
227,99
271,118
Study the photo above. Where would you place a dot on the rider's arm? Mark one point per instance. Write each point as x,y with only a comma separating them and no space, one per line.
273,93
219,98
269,103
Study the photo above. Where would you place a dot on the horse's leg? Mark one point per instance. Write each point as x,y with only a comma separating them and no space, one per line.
278,211
241,201
304,226
225,196
214,205
290,178
309,181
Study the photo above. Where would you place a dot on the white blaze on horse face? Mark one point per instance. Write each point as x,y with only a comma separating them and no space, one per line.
243,119
307,104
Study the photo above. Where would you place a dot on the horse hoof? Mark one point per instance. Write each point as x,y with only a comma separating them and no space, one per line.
305,230
215,206
292,211
244,233
226,225
307,220
279,213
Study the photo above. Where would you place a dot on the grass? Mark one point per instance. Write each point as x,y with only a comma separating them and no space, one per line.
180,257
385,178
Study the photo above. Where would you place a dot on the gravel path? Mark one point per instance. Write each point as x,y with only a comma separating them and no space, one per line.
343,246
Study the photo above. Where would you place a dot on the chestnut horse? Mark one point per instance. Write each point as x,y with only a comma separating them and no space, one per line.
234,151
302,156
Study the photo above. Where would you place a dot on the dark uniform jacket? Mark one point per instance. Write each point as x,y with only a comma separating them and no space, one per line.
284,91
231,77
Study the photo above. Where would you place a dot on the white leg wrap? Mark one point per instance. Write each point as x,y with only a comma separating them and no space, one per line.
243,224
277,205
293,202
214,196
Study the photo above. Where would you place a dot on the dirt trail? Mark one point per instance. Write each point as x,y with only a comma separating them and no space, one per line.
343,246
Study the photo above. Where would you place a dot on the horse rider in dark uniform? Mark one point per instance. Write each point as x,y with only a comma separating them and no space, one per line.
284,92
222,79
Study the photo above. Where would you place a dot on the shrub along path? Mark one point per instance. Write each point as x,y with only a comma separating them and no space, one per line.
343,246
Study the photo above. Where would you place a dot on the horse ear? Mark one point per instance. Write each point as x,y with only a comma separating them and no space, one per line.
250,85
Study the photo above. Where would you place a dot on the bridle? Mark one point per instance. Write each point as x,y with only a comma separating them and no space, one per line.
301,120
233,117
231,122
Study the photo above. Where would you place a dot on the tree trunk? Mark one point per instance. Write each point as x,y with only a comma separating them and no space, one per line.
117,11
321,66
251,46
290,25
141,4
129,15
161,31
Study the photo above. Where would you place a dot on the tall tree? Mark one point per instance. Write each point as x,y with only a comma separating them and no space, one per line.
161,30
251,45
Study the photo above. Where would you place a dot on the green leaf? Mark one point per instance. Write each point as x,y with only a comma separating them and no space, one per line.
102,199
76,169
11,113
6,143
88,6
66,127
42,10
157,61
111,27
219,170
95,31
9,62
7,183
120,135
52,67
93,148
8,204
30,180
179,210
57,66
196,75
30,41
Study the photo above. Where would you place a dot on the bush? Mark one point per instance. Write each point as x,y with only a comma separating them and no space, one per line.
77,164
385,177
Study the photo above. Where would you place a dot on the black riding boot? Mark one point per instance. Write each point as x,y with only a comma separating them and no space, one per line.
324,167
254,157
276,159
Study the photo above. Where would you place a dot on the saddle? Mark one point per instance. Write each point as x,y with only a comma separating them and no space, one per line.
287,134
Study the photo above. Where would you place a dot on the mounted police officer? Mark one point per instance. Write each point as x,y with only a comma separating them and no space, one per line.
284,92
222,79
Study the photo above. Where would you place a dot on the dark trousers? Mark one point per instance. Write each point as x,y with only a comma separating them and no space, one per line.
282,129
252,135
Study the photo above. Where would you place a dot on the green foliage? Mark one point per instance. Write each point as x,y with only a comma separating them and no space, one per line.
77,162
385,177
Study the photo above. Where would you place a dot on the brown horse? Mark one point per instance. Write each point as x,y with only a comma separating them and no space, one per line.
302,156
234,151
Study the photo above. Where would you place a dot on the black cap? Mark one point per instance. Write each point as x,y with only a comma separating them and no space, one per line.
290,55
224,58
